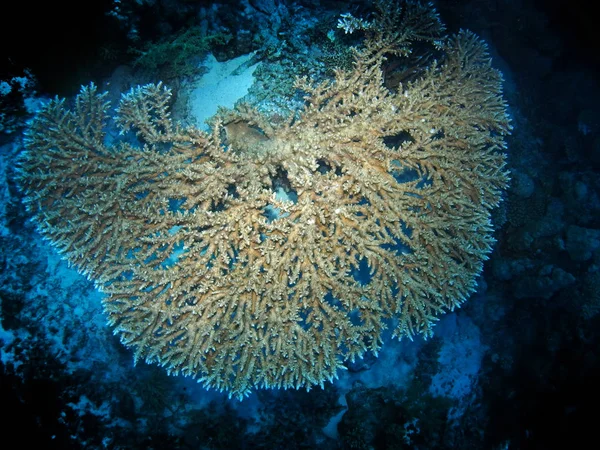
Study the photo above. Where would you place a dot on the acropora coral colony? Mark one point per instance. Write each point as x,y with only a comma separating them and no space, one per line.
266,253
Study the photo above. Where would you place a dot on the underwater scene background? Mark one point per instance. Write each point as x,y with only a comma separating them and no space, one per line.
311,224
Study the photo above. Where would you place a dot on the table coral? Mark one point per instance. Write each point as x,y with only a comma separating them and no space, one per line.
265,254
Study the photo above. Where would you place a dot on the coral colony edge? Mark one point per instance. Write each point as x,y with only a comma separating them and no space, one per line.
264,253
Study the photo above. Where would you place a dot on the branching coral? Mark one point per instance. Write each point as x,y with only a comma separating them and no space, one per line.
263,255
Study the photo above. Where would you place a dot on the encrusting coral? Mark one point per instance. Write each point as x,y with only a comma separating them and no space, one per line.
264,255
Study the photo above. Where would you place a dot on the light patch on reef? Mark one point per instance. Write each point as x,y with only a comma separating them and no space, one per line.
224,84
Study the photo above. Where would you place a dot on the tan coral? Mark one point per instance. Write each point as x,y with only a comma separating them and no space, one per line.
211,272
